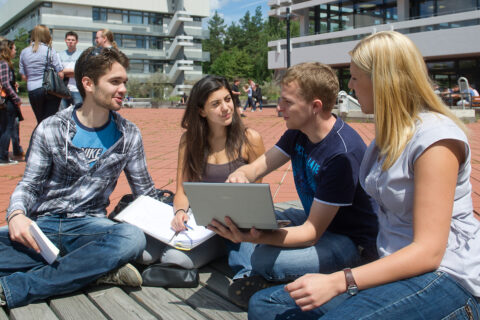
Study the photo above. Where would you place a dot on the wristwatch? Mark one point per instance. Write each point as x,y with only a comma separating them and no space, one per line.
352,288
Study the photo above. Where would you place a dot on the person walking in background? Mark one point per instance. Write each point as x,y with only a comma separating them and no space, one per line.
249,103
418,169
236,97
257,95
215,143
33,61
68,58
11,109
104,39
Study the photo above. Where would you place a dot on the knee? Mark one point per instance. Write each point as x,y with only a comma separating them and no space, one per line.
131,240
180,258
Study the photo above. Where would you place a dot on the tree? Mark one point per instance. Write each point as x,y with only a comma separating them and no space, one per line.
234,63
214,45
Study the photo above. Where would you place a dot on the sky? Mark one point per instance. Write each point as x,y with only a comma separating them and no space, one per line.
234,10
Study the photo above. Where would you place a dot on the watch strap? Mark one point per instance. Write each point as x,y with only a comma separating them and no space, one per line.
352,287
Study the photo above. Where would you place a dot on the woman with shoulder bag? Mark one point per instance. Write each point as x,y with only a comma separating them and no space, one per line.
33,61
9,113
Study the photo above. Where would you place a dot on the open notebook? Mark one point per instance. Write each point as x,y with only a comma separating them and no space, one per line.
154,218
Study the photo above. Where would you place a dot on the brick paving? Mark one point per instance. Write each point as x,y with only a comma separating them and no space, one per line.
161,133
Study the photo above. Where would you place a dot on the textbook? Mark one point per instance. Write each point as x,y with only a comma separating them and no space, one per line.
154,218
48,250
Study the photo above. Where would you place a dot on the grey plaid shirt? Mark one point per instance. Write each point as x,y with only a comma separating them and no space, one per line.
58,179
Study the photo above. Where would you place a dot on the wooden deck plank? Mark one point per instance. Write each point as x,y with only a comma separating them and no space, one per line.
37,311
117,304
3,314
215,281
75,307
164,304
209,304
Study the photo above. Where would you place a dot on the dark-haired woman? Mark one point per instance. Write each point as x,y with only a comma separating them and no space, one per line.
215,144
9,112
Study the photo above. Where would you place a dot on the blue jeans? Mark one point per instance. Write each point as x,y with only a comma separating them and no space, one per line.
331,253
433,295
75,98
7,126
89,248
44,105
249,103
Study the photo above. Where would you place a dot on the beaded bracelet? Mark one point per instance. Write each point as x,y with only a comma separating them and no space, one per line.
12,216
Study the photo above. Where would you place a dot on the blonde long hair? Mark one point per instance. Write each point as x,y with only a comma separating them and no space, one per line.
40,34
401,90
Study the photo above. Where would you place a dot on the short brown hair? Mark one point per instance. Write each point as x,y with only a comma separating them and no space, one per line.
315,81
95,62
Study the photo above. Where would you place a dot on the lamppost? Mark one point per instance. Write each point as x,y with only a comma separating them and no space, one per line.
288,16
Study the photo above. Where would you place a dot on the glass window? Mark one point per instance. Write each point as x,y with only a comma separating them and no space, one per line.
135,17
155,66
136,66
99,14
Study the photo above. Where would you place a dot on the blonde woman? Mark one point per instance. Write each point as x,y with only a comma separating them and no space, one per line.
33,60
418,170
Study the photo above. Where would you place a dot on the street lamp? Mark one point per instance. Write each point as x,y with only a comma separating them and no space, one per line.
288,16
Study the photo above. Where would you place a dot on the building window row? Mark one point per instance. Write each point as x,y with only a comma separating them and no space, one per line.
428,8
132,41
344,15
127,16
145,66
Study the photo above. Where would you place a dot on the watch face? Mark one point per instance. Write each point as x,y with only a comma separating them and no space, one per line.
352,290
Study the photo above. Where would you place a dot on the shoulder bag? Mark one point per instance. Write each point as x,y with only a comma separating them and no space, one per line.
51,81
169,275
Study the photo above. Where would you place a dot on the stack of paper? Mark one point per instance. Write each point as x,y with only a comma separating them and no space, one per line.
154,218
47,249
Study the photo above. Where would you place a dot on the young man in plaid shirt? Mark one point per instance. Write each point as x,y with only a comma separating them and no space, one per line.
76,157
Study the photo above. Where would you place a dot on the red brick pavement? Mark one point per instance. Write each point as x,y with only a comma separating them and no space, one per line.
161,132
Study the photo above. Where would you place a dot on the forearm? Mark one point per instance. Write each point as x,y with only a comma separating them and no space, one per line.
180,202
289,237
70,73
408,262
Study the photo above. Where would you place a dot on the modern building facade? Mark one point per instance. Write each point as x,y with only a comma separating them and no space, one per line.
447,32
157,35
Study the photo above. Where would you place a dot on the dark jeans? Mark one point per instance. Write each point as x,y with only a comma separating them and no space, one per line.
17,148
44,105
7,124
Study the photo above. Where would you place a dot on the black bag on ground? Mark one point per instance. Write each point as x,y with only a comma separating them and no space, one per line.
169,275
163,195
51,81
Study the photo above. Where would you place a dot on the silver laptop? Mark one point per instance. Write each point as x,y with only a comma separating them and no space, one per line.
247,204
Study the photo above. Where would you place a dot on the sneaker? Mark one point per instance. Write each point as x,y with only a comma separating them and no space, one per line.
127,275
242,289
7,162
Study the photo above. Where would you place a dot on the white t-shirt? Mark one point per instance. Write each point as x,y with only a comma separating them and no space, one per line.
393,190
68,60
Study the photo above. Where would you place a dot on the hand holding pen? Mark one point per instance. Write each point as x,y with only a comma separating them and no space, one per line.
179,219
187,227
